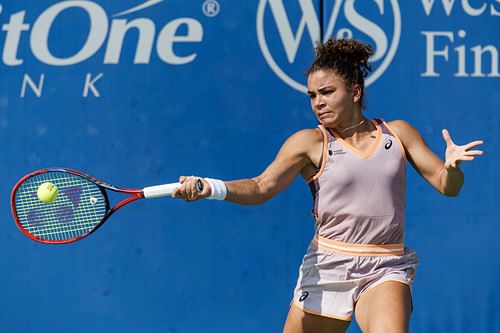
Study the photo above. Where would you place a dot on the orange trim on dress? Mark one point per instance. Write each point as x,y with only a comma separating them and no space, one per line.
382,280
323,156
363,154
301,307
359,249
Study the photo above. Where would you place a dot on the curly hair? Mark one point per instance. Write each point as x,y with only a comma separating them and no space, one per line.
348,58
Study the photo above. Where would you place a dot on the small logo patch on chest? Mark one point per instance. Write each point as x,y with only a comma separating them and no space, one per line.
336,152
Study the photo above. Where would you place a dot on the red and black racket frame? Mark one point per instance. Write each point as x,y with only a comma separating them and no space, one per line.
135,194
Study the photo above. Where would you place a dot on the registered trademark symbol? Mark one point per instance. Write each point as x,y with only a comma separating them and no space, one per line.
210,8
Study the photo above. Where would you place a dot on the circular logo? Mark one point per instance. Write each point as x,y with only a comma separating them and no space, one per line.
287,33
388,144
210,8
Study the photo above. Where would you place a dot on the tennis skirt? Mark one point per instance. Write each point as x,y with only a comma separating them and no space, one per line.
334,274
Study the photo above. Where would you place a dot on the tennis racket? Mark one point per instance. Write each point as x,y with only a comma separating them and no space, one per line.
80,208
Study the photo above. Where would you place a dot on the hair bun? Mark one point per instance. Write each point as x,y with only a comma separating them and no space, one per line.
347,51
345,57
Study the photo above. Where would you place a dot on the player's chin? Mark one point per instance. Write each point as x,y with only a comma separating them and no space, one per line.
326,122
327,119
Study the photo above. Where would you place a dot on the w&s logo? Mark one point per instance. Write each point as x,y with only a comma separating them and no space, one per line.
287,32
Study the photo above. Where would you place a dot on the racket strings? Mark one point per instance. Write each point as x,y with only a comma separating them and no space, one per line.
80,205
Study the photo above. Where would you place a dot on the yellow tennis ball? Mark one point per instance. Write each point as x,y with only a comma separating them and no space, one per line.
47,192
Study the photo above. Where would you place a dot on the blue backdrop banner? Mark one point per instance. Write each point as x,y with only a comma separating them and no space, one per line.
139,92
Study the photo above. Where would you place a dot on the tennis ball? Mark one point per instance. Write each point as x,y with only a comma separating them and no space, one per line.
47,192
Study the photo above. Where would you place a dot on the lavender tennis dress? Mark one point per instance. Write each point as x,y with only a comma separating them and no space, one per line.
359,207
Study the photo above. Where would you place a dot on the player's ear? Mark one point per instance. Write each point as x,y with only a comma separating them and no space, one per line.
357,93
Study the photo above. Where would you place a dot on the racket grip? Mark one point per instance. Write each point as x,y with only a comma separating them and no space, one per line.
159,190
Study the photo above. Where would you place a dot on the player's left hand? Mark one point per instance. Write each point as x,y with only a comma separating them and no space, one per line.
457,154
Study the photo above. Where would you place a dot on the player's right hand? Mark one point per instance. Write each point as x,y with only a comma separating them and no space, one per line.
189,190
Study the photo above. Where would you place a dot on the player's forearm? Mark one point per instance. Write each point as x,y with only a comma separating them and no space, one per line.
451,181
247,192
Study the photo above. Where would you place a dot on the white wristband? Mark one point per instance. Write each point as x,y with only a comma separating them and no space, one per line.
219,190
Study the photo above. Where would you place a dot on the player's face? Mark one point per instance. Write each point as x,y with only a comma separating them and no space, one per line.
332,101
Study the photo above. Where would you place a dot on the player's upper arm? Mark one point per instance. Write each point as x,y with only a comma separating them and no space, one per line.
295,154
423,159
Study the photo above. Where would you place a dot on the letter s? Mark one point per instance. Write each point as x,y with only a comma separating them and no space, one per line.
368,27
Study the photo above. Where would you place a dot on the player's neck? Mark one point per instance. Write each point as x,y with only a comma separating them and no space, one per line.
352,128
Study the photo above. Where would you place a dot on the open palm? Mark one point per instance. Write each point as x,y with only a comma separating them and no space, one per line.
456,154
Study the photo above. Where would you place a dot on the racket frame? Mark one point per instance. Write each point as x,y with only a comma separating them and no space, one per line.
135,194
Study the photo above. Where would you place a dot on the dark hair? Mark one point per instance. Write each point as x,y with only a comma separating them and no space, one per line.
348,58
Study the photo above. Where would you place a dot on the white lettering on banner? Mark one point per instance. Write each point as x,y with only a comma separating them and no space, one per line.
478,58
384,47
103,33
14,29
309,20
461,57
448,6
369,28
140,7
447,38
168,36
494,11
39,38
117,34
89,85
98,31
447,47
37,89
433,51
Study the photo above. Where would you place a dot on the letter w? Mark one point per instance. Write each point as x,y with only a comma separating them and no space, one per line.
447,4
309,19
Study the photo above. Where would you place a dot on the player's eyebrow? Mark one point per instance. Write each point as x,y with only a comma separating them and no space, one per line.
321,90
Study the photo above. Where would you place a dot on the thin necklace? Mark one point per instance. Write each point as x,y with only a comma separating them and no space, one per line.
351,127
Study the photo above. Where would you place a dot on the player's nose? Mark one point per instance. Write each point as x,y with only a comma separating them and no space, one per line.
319,103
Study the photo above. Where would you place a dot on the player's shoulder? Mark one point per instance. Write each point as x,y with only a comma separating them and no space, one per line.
307,135
303,141
404,130
401,127
399,123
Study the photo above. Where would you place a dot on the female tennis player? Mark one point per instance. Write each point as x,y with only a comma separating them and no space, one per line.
357,261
